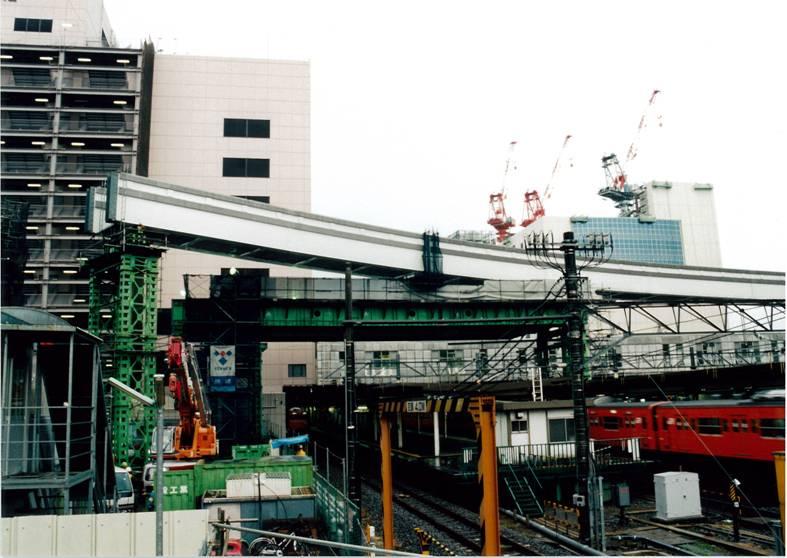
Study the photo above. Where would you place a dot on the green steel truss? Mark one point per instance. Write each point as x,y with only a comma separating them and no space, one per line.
123,292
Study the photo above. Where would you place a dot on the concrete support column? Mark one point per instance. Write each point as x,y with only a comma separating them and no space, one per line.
399,431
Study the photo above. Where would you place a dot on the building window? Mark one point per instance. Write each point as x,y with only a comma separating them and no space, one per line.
747,352
296,370
519,425
246,128
710,426
259,168
772,428
449,358
33,25
561,430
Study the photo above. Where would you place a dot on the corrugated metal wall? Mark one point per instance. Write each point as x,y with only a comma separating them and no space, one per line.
111,534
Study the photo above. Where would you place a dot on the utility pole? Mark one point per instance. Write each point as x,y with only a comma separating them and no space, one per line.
593,248
351,433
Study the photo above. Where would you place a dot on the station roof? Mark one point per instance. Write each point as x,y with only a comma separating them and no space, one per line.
16,318
536,405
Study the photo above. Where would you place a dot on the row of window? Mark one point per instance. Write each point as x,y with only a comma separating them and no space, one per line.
34,25
235,166
768,428
246,128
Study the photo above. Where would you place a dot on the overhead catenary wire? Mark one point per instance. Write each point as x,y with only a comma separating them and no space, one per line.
724,471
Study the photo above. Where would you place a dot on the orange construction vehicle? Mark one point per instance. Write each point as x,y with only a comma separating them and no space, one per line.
195,436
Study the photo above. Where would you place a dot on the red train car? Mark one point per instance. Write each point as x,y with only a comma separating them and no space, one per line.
297,421
749,429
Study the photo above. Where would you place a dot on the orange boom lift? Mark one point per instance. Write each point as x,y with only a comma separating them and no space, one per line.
195,436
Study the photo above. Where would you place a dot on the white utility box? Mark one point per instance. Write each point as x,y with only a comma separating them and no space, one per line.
259,485
677,495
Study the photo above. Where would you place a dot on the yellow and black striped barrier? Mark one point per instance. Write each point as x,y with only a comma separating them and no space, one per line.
442,405
427,541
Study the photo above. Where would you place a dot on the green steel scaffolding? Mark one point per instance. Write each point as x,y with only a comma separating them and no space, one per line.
123,292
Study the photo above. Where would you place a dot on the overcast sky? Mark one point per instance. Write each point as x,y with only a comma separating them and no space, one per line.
414,104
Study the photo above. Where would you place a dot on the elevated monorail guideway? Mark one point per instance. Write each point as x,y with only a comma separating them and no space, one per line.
189,219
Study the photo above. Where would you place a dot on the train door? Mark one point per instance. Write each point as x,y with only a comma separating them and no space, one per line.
740,426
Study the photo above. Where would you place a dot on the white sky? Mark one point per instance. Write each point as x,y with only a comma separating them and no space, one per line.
414,103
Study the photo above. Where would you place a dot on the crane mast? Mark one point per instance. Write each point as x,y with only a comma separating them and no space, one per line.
616,186
498,217
534,208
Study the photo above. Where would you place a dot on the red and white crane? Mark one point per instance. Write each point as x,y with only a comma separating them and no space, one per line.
614,171
534,208
498,218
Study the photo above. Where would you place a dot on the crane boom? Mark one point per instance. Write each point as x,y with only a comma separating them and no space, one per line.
632,152
534,208
195,436
498,217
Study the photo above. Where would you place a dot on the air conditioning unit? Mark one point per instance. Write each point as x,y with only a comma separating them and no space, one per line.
520,415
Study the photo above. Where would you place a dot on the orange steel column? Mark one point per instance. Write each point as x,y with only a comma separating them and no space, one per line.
778,460
387,494
487,477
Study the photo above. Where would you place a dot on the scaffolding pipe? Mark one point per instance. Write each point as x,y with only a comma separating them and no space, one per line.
555,536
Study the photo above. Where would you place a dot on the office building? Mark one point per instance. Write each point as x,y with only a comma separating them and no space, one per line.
75,108
72,104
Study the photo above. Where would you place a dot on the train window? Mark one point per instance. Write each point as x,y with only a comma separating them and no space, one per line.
744,426
772,428
664,423
611,423
711,426
754,425
734,425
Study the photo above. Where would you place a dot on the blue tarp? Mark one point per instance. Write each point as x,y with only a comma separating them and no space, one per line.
279,442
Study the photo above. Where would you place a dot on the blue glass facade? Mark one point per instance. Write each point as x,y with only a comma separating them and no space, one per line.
657,242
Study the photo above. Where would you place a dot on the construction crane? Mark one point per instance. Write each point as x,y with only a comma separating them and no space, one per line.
498,217
617,188
195,436
534,208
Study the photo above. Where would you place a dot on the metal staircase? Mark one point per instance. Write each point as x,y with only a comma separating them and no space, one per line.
520,491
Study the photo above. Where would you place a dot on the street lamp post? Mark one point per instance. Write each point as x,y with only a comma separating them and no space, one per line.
159,382
159,404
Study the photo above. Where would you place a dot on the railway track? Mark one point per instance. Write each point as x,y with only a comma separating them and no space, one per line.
463,526
692,531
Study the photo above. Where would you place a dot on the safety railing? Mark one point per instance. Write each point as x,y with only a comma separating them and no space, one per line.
557,455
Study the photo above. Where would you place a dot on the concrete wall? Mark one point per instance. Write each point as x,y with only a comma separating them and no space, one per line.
694,206
84,21
192,95
111,534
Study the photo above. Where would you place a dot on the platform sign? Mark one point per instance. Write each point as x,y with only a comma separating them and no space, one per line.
416,406
222,367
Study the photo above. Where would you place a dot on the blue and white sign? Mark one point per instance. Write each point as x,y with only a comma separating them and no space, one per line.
222,367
